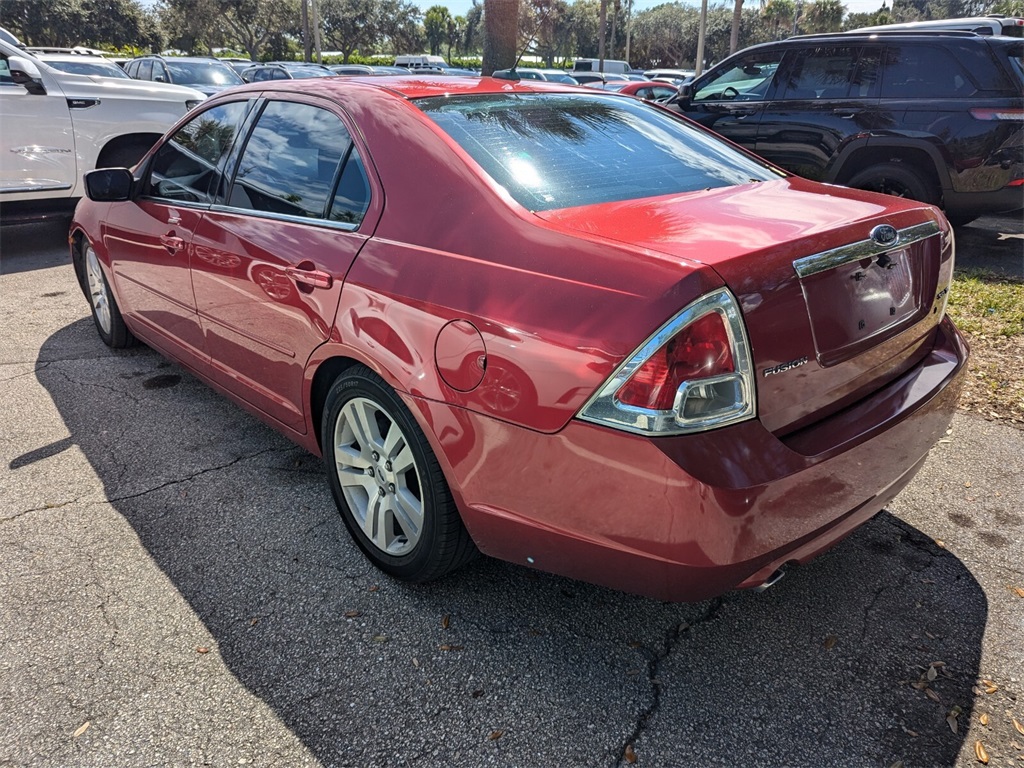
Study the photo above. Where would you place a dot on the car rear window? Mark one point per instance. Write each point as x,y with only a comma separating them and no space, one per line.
565,150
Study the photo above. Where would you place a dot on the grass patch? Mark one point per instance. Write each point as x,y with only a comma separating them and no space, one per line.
989,309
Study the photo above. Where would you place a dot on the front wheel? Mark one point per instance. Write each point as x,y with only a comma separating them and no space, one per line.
387,482
105,312
894,179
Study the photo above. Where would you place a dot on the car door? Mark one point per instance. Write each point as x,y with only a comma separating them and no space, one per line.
269,264
37,140
149,238
826,99
730,98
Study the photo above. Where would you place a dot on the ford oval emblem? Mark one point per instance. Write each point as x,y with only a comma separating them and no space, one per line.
884,234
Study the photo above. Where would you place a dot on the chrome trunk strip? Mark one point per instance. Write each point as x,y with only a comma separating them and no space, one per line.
865,249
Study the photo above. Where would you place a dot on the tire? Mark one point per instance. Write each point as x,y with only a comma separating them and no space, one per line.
387,482
105,312
896,180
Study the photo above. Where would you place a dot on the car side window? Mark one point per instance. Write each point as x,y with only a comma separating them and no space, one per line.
188,167
822,72
922,72
145,70
353,195
748,79
160,73
291,161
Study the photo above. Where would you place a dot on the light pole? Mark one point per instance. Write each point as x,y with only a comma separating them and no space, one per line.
701,33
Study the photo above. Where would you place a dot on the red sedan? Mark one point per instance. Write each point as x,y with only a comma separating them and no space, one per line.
550,324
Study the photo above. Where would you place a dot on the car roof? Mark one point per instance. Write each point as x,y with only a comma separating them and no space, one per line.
412,86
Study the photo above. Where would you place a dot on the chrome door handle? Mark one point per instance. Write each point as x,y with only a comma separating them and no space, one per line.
314,278
174,219
171,243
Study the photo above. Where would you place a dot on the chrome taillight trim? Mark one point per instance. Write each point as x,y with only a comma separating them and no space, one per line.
864,249
603,407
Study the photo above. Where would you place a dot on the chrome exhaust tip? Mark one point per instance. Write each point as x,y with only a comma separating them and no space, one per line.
771,581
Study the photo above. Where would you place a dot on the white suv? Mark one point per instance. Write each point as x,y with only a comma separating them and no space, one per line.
55,126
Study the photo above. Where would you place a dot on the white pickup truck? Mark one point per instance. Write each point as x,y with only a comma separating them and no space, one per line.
55,126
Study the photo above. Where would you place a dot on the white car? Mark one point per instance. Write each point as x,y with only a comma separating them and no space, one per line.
55,126
83,64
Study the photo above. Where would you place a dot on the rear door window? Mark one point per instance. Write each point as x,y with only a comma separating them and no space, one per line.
922,72
748,79
822,72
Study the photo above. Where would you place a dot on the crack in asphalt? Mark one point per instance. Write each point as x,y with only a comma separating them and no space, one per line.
44,508
35,369
671,640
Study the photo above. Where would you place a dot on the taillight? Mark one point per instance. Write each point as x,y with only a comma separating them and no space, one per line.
998,114
693,374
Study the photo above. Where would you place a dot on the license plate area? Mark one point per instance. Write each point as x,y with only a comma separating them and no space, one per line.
857,304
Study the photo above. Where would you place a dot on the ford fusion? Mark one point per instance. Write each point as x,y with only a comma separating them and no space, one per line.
559,327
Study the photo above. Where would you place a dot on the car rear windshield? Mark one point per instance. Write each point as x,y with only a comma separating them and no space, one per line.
565,150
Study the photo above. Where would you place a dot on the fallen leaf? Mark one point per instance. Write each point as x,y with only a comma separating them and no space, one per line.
81,729
932,695
447,647
380,638
830,642
1015,745
984,718
374,588
1017,725
897,764
931,674
629,754
352,614
968,484
990,687
495,735
940,543
1018,591
446,621
952,723
920,685
415,662
202,649
980,753
937,664
912,734
254,621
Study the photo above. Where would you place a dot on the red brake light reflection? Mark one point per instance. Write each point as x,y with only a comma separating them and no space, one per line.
699,350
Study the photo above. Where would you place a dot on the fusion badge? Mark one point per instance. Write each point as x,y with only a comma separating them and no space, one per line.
783,367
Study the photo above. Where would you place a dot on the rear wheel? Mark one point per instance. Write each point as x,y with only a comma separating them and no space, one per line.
387,482
896,180
105,312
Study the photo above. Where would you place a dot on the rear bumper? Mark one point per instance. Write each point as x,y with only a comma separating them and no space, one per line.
686,518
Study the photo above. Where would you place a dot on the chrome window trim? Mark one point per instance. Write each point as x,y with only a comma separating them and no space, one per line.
864,249
313,221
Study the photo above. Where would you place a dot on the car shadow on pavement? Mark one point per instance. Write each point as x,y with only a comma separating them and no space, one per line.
855,659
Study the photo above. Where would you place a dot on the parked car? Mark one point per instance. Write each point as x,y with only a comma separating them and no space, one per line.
78,64
204,74
352,69
937,117
616,347
277,70
56,125
677,76
995,24
647,90
590,78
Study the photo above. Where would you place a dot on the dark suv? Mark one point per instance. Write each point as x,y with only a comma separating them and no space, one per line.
937,117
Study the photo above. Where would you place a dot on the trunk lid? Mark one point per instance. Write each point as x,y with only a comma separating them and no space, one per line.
831,314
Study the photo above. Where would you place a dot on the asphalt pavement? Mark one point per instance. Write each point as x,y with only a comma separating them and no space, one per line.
176,588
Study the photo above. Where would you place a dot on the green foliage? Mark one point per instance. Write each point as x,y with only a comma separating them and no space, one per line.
435,27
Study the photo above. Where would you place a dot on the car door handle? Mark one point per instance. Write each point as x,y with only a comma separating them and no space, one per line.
739,114
172,243
847,112
314,278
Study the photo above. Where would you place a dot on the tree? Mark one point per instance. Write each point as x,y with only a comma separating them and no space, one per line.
44,22
252,23
456,29
400,26
822,16
435,26
778,16
737,18
501,33
471,34
192,25
350,25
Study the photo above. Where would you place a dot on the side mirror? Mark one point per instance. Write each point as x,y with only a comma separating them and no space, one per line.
109,185
24,72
